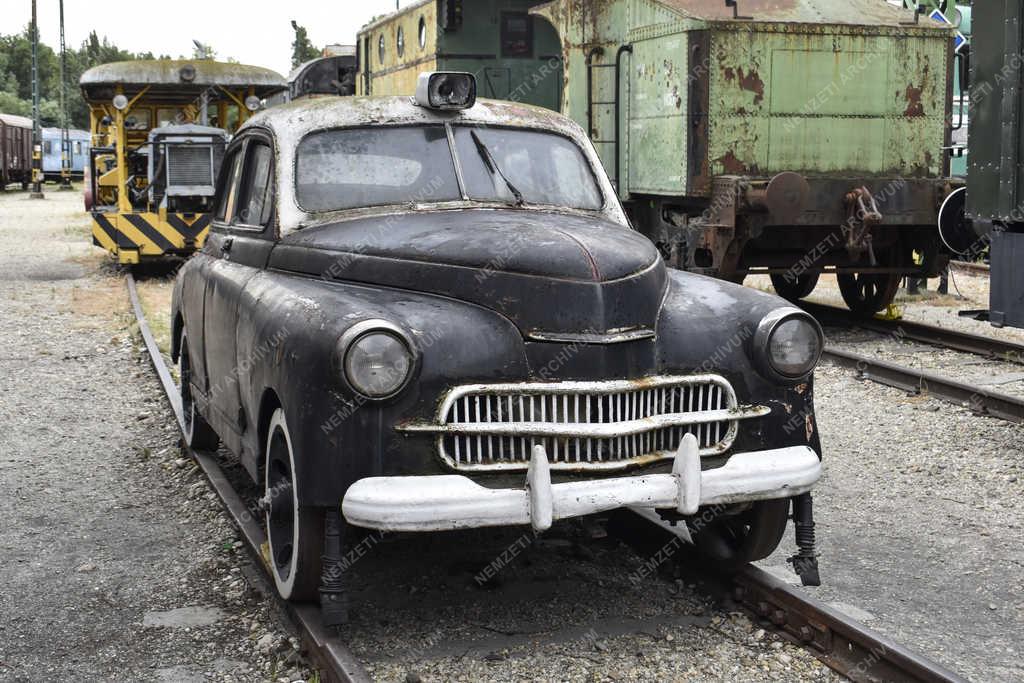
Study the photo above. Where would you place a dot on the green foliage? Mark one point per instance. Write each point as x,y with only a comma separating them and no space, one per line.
303,49
16,76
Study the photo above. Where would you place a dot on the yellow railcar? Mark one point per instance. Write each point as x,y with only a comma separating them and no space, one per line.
159,128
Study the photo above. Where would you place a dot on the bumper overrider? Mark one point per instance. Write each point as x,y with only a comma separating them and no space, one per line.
444,502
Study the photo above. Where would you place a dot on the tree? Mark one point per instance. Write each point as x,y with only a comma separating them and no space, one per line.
16,76
303,49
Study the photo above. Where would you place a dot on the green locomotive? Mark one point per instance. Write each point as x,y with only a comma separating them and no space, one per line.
788,137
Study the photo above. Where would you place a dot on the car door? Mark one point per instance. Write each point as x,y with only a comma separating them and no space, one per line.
242,236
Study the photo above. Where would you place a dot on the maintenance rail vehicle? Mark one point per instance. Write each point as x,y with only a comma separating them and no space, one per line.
426,314
159,128
791,137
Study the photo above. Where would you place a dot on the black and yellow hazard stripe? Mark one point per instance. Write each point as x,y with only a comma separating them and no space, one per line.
130,237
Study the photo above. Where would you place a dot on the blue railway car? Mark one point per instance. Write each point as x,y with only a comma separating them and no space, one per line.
79,152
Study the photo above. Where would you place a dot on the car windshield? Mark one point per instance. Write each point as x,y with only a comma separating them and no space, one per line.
363,167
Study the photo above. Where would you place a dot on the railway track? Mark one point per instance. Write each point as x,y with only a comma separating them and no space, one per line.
839,642
979,399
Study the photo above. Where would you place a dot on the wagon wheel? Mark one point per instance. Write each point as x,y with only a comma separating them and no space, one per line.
295,533
796,287
199,435
729,542
868,293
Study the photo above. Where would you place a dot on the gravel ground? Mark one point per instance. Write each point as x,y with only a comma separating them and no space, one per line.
919,513
567,606
118,563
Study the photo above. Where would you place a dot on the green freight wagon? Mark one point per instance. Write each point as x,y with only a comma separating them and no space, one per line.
789,137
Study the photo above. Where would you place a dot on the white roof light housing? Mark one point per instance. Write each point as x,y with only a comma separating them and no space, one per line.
446,90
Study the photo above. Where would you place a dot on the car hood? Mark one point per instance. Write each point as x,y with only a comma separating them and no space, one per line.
551,273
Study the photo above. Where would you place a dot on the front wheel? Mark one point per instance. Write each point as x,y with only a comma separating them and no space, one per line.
199,435
728,542
295,533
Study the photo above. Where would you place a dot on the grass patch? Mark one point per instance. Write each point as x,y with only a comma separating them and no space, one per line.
155,297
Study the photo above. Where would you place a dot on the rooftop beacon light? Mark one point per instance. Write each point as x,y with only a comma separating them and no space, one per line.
446,90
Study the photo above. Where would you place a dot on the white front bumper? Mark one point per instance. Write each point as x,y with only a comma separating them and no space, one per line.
441,502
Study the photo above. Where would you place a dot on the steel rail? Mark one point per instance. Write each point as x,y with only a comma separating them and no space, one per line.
995,349
841,643
979,400
971,267
336,662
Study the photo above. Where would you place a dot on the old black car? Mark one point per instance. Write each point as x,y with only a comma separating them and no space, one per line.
430,313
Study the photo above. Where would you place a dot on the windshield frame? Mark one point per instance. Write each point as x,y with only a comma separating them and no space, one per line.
465,200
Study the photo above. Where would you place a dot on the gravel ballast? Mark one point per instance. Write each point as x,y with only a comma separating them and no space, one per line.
118,563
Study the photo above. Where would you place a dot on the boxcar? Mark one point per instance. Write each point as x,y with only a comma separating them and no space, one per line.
15,151
78,154
788,138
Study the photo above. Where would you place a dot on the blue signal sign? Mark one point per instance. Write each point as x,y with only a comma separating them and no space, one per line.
960,40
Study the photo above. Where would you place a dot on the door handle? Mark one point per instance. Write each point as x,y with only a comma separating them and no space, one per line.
225,246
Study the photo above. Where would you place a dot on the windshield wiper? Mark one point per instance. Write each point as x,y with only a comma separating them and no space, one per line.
492,166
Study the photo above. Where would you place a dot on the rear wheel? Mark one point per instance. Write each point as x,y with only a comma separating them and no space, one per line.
730,541
796,287
295,534
199,435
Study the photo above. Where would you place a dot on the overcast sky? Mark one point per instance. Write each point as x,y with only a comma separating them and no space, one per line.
257,33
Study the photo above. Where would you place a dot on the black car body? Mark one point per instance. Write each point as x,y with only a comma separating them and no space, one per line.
509,312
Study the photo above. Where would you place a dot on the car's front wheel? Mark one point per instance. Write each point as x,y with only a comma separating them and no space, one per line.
730,541
295,533
199,435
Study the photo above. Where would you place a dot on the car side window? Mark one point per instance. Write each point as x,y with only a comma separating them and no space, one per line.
257,188
228,190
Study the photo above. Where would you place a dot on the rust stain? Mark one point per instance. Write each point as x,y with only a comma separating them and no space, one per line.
809,426
914,105
752,82
731,164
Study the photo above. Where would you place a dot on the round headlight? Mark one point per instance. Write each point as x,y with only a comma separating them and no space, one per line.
378,363
794,347
788,344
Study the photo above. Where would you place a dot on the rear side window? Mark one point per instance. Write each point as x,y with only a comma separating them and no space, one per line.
231,176
257,187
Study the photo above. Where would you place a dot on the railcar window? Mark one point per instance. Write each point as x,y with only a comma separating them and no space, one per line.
256,197
137,120
169,116
516,34
546,168
350,168
423,32
400,41
78,147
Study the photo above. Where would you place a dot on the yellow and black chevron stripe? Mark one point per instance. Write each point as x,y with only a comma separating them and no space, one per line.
131,237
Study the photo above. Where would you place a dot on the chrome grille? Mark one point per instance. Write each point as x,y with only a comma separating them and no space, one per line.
189,165
585,425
